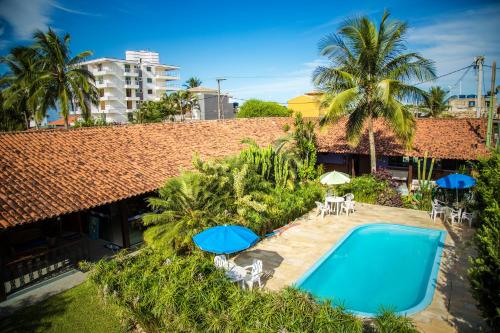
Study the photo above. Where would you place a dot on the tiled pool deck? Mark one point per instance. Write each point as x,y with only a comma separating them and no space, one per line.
290,255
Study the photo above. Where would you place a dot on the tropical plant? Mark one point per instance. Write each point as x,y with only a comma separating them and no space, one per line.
11,119
19,87
389,322
365,188
150,112
434,102
369,78
61,80
183,102
257,108
192,82
484,273
91,122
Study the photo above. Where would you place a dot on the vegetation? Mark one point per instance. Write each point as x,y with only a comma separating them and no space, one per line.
257,108
44,76
75,310
175,104
369,78
90,122
192,82
484,274
434,102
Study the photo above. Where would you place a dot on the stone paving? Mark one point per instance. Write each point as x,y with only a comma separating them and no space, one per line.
290,254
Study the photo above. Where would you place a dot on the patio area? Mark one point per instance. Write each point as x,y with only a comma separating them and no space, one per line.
290,254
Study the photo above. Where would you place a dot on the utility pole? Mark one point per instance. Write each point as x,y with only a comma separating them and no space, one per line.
479,65
220,115
492,104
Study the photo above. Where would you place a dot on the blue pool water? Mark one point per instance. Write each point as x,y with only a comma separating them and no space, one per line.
379,265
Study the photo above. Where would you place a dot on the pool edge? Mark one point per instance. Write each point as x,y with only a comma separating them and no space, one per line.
431,285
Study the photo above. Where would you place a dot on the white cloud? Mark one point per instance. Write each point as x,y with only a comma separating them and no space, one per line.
27,16
453,41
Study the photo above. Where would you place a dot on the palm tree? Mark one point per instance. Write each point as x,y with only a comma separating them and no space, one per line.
184,102
62,81
23,64
192,82
369,78
435,102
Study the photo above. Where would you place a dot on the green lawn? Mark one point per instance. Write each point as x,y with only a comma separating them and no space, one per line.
76,310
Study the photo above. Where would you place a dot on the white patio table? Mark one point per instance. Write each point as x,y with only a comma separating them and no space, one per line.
333,200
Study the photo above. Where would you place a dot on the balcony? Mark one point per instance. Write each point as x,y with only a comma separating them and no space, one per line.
167,75
132,98
130,84
108,98
104,71
105,84
131,72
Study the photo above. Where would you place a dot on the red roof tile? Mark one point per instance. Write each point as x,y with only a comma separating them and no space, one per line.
49,173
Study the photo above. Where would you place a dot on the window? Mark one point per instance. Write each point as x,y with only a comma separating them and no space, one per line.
103,105
129,105
472,104
101,92
129,92
150,80
150,91
100,79
127,68
99,67
148,69
128,80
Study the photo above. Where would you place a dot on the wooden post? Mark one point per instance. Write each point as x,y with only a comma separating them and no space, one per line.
353,170
123,208
409,178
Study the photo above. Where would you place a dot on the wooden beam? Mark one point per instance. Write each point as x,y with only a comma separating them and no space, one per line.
409,178
353,169
123,209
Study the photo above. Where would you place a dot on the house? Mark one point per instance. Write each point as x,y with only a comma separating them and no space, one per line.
308,104
67,193
125,84
206,107
465,106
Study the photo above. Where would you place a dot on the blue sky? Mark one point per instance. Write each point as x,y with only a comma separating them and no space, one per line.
266,49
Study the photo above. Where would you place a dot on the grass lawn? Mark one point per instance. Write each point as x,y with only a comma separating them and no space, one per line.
76,310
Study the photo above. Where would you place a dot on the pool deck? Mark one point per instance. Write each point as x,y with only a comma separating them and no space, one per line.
289,255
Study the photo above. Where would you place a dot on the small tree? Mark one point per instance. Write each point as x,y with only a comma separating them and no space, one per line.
257,108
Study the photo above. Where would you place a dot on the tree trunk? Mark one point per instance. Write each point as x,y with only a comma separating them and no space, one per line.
371,137
66,123
26,120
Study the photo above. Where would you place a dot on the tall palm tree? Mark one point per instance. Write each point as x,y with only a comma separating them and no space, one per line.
369,77
192,82
435,102
62,81
184,102
19,95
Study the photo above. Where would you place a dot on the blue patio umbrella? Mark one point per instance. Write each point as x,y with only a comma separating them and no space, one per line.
456,181
225,239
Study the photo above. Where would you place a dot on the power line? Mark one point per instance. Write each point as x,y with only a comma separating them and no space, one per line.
441,76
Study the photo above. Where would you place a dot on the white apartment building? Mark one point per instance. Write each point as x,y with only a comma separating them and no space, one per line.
124,84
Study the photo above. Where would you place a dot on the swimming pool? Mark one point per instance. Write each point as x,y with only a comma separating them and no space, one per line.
378,265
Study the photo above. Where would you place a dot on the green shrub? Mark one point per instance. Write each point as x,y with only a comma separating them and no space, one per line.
187,294
365,188
389,322
484,274
257,108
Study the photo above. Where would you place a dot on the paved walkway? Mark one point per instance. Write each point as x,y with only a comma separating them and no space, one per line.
290,255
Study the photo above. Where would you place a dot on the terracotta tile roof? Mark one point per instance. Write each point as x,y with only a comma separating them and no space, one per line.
49,173
461,139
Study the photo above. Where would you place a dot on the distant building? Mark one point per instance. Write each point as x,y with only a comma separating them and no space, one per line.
60,122
206,108
465,106
124,84
308,104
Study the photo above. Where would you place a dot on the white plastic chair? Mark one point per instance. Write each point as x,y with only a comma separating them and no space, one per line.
220,261
454,215
437,209
255,274
469,217
349,197
347,206
322,209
